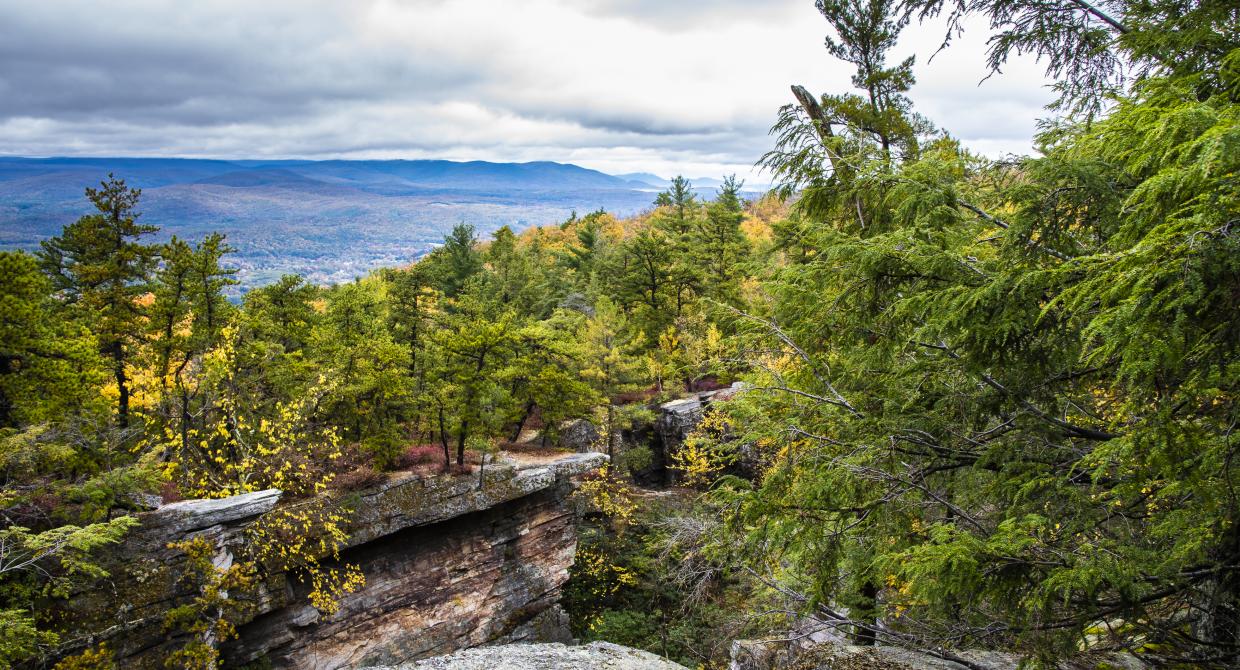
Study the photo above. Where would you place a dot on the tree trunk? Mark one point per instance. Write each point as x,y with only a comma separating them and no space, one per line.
516,433
460,443
866,636
122,385
443,439
611,439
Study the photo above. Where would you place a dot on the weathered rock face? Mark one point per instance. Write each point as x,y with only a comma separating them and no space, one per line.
594,656
448,565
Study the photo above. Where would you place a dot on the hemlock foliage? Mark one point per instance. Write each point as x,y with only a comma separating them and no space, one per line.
999,397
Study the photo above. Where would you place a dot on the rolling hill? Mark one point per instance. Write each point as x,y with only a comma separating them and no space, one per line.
328,220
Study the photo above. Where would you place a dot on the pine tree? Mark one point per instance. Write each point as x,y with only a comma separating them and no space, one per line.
473,343
47,369
458,260
998,399
722,243
100,266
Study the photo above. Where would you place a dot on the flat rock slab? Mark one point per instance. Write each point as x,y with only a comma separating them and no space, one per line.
593,656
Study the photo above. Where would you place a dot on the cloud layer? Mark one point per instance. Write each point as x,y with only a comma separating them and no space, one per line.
615,85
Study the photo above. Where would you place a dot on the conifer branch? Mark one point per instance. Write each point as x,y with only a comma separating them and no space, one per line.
839,399
1097,13
1073,429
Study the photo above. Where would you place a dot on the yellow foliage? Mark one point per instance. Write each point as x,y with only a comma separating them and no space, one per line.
210,618
297,538
704,453
98,658
608,495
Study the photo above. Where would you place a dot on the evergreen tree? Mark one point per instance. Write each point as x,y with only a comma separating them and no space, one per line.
678,217
1002,394
644,278
409,302
544,373
210,281
509,272
282,313
458,260
609,361
722,243
100,266
47,370
474,342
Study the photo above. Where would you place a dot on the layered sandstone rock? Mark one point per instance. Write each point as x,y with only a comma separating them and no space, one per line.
448,564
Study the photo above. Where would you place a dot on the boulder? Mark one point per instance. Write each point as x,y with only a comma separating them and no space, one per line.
579,435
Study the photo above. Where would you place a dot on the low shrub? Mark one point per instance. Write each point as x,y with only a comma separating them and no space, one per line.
421,454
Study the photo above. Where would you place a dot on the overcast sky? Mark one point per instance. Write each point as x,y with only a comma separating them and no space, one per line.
668,86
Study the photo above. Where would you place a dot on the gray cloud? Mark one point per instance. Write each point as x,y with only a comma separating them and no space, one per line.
642,84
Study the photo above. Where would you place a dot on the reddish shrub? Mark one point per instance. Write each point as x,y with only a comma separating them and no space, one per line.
45,504
421,454
707,383
170,493
461,469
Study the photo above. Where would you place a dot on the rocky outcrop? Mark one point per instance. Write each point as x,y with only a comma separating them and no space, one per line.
762,655
594,656
448,564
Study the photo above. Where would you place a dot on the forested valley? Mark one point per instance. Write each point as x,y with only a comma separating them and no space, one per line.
979,403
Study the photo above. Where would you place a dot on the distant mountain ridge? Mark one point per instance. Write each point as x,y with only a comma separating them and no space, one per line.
367,175
329,220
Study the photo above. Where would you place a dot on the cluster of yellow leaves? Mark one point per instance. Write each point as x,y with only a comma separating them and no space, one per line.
281,453
605,578
329,586
608,495
97,658
297,538
238,451
608,577
704,454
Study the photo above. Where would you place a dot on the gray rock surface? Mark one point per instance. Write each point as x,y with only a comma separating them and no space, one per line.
780,654
593,656
580,435
187,515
